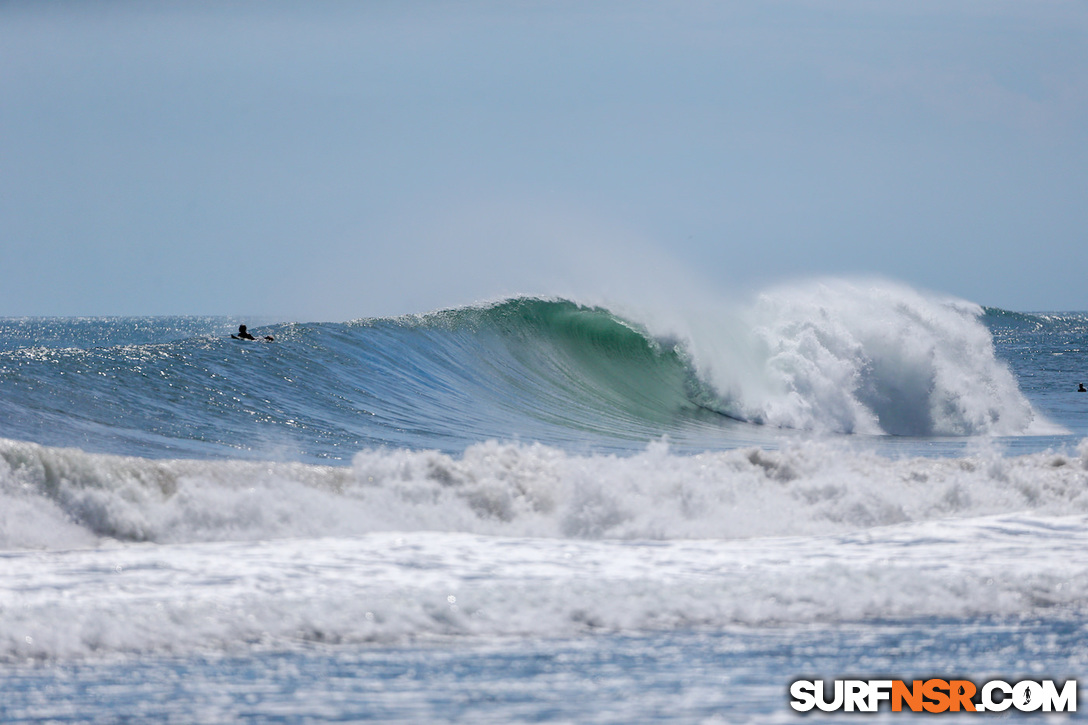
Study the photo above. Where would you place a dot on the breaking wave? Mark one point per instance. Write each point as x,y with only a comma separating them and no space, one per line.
63,498
833,357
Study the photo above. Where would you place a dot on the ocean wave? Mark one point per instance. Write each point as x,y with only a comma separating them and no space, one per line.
63,498
128,555
830,356
834,357
873,358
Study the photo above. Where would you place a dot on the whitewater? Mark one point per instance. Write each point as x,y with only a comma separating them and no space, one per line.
538,508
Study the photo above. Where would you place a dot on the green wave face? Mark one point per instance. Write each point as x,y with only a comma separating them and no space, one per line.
836,359
585,366
529,369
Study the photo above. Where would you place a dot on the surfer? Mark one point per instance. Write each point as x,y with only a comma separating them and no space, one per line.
243,334
1081,388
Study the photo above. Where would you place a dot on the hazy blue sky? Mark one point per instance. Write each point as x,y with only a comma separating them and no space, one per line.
333,160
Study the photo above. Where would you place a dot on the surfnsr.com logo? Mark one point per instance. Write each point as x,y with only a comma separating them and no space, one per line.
933,695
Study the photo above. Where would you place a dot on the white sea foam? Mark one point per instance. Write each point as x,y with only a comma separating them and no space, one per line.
399,587
521,540
855,357
64,498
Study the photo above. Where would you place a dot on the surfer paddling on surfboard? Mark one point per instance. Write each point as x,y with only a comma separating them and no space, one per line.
243,334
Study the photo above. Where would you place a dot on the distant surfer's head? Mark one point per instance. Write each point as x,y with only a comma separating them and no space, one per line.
241,328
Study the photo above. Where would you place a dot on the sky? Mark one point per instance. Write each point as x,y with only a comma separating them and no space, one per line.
336,160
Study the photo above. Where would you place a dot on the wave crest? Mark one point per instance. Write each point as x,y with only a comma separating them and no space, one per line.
847,357
833,357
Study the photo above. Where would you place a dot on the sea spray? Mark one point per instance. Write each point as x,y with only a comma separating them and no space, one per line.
854,357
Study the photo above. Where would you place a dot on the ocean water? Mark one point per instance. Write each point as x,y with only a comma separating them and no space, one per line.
539,509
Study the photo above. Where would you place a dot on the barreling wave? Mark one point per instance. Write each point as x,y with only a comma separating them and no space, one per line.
834,357
577,365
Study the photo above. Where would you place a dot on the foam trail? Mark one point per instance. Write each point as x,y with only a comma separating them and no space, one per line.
65,498
401,588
